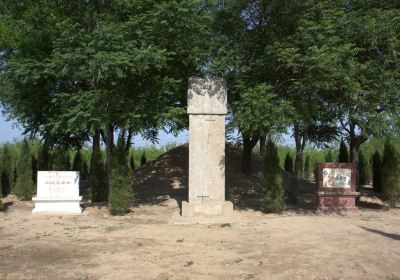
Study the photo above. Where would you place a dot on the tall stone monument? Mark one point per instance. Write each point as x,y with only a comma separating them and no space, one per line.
207,109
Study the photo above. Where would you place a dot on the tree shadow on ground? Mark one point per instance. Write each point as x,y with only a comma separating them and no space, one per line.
370,199
6,205
370,205
88,204
388,235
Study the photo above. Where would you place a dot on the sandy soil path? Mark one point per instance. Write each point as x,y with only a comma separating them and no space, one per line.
147,245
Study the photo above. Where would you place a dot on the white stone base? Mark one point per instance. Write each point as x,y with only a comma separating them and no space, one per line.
207,209
57,206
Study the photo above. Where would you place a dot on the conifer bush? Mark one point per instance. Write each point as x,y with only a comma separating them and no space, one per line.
120,197
132,162
98,177
363,170
143,159
34,164
24,185
308,170
77,162
329,157
85,170
289,163
6,171
2,206
14,180
377,172
390,173
343,153
61,160
273,183
43,159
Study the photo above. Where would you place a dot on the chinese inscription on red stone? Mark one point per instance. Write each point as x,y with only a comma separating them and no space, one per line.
336,188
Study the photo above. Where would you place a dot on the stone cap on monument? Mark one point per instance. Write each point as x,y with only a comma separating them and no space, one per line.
207,96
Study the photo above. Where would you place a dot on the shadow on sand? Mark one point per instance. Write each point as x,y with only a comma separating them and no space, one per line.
385,234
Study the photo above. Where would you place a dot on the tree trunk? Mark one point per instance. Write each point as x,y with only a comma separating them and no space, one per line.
248,145
355,154
95,151
300,141
129,140
355,143
262,146
103,136
354,148
109,135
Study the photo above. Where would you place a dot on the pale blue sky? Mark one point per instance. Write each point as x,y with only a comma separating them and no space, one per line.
9,131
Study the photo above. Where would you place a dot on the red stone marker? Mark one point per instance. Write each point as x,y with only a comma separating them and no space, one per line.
336,188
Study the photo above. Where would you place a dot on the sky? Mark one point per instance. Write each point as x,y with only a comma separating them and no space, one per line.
9,131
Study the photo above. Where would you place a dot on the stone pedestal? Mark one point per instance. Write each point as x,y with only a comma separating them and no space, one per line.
207,110
336,188
57,193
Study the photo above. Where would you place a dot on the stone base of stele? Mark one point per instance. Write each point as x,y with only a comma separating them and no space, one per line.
207,209
54,206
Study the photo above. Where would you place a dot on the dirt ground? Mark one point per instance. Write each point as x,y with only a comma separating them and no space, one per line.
154,242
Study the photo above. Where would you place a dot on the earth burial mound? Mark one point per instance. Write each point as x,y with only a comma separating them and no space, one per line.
166,178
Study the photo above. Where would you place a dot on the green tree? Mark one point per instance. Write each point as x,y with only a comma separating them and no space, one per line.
43,159
97,177
308,168
377,172
6,170
132,162
85,170
34,164
288,162
240,33
2,206
143,158
77,163
390,173
61,159
303,72
24,185
259,103
330,70
366,102
120,197
364,173
329,156
105,65
273,184
15,174
343,153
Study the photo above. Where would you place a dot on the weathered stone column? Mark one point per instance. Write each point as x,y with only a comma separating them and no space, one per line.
207,109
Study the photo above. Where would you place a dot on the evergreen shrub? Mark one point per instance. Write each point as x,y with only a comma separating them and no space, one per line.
24,185
273,183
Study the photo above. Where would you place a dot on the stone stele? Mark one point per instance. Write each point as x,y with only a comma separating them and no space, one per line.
336,188
57,193
207,110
